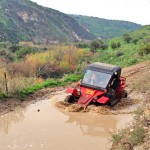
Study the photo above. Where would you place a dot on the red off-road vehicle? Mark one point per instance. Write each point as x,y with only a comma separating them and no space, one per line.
101,84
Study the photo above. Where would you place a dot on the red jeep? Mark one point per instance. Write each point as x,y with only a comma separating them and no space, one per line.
101,84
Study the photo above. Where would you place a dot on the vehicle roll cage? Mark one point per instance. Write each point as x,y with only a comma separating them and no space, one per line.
114,71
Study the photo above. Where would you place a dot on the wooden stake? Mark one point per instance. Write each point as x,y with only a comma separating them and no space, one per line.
5,76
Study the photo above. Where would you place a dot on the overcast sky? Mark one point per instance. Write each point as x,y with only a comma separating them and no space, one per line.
137,11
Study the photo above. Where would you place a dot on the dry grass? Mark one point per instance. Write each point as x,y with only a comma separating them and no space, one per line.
17,83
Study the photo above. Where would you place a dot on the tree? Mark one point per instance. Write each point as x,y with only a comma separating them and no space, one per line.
118,44
145,49
127,38
113,45
95,44
135,41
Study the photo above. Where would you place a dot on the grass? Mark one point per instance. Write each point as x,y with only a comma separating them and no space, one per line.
132,136
137,135
130,51
21,87
116,137
48,83
3,96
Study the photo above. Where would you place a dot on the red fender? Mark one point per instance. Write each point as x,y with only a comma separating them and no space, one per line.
103,100
122,86
73,91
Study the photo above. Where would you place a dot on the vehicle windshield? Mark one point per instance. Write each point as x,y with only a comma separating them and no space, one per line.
96,78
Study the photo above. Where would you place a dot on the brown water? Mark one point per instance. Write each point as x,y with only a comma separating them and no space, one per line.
52,129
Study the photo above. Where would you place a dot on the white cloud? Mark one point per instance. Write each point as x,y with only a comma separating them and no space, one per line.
137,11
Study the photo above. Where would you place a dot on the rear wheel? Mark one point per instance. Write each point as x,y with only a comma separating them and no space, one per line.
70,99
124,94
112,95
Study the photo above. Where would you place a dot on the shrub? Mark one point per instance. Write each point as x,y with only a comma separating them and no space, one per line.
135,41
8,56
95,44
14,48
25,50
145,49
127,38
118,54
2,96
114,45
82,45
104,46
116,137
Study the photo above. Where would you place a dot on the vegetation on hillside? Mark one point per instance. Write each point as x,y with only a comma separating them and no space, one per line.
104,28
32,65
126,50
27,65
23,20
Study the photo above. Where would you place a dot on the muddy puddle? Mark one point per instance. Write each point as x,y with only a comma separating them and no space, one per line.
42,126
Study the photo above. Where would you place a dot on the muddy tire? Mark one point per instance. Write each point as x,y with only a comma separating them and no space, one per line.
112,95
70,99
124,94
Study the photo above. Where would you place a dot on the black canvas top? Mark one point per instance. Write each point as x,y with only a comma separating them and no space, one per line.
97,66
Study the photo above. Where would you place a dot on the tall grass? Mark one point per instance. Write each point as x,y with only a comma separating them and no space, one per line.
48,83
22,87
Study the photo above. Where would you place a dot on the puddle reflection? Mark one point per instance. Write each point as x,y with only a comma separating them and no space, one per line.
93,124
8,119
51,128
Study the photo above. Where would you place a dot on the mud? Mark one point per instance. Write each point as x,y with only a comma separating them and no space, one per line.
41,126
11,104
43,121
125,106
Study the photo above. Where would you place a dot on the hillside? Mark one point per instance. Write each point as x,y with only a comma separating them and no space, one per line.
22,20
104,28
137,49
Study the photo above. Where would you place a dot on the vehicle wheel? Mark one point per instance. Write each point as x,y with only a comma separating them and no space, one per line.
112,95
124,94
70,99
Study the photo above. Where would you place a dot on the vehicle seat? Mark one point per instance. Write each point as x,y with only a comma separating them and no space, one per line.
115,83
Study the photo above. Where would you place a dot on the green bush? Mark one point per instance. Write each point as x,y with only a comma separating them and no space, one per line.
119,53
82,45
127,38
25,50
2,96
116,137
135,41
115,45
145,49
